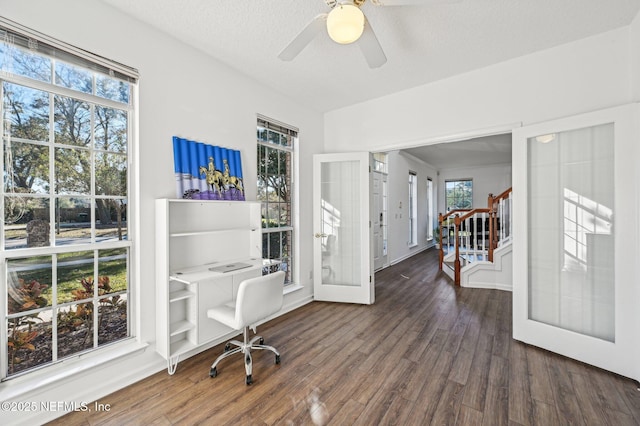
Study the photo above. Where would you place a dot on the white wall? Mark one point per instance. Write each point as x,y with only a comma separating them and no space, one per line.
585,75
634,52
400,163
486,180
184,93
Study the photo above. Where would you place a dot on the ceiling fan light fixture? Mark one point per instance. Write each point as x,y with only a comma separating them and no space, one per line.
345,23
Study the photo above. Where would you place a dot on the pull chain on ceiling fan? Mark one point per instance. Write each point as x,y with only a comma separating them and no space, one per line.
345,24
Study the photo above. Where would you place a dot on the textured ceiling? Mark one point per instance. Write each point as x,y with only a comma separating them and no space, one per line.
477,152
422,43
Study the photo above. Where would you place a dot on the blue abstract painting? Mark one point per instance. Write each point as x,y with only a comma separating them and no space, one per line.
207,172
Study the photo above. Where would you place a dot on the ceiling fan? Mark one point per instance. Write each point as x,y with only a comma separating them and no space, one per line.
345,24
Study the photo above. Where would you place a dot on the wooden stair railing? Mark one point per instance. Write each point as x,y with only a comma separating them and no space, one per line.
495,222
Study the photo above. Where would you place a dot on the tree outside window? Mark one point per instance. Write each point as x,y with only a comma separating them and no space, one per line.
65,240
459,194
275,150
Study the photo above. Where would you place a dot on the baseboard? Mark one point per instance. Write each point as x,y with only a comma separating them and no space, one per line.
408,255
490,286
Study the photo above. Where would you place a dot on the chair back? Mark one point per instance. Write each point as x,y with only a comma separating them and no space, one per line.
259,298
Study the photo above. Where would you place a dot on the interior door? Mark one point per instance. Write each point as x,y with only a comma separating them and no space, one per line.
576,233
343,258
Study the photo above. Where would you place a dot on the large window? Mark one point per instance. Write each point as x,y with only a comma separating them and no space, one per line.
413,209
64,243
276,143
459,194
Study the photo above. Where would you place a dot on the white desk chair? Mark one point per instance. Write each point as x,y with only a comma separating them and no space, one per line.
257,299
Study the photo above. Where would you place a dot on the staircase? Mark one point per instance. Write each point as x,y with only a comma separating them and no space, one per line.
475,245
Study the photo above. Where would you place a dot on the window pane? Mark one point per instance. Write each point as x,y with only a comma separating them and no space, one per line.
111,219
111,174
73,172
111,129
74,77
22,62
29,342
25,113
112,319
75,276
26,168
112,269
28,284
73,220
72,121
29,290
26,222
262,134
75,328
112,88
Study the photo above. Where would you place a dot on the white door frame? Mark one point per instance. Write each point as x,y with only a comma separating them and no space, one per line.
363,293
621,356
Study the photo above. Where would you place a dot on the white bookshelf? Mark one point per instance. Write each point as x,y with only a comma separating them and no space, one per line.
191,237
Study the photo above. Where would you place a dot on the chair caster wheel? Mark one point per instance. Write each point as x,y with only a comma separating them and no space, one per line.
227,347
277,359
262,340
213,372
249,379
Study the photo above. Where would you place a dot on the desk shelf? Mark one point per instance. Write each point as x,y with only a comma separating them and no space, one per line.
181,327
191,236
180,294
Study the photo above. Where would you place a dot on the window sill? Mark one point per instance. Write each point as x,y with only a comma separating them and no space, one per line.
292,288
14,387
413,246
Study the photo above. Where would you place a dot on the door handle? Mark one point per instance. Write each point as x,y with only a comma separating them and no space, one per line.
319,235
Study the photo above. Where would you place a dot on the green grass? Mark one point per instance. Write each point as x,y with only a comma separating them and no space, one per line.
69,276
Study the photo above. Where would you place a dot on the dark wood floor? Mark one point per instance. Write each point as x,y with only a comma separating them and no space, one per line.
424,353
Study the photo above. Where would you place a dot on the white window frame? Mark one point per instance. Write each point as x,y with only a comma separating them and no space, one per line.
430,209
446,200
78,57
292,134
413,209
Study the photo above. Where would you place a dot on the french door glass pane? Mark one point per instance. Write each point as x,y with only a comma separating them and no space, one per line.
571,238
340,204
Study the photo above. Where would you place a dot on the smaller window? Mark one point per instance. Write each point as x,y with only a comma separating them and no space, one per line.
413,209
380,162
459,194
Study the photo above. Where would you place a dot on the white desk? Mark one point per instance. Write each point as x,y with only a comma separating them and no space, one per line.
193,291
192,236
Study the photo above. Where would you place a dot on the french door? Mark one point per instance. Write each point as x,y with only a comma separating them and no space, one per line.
576,289
343,258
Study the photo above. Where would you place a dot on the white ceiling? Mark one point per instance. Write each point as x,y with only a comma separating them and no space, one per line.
477,152
422,43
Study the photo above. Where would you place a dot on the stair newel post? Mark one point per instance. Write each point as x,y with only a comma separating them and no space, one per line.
440,223
456,263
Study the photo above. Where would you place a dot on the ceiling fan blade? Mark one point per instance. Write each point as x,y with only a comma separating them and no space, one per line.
317,25
411,2
370,47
